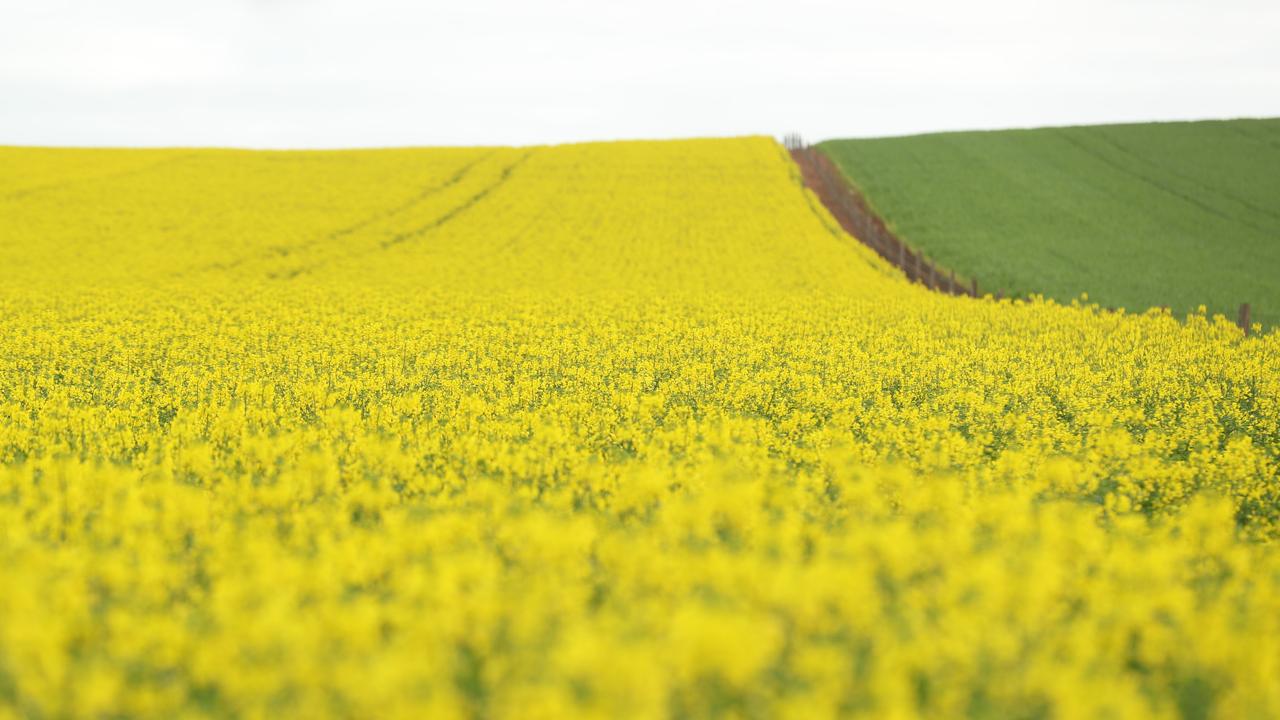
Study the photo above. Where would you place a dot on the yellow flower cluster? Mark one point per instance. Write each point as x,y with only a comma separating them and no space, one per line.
605,430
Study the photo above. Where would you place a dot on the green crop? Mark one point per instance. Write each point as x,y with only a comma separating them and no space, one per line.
1175,214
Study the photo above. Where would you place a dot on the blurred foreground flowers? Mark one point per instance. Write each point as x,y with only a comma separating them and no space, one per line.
603,431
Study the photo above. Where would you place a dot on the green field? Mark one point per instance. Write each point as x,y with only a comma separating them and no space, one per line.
1178,214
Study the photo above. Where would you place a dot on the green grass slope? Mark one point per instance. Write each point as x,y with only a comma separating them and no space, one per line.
1178,214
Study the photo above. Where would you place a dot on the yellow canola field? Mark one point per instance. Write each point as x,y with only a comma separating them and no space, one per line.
603,430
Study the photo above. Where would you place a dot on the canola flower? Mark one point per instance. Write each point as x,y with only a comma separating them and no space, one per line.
605,430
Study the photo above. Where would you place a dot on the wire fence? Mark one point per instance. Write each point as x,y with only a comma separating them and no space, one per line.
853,213
848,206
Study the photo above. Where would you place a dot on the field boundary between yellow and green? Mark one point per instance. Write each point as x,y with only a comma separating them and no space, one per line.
1178,214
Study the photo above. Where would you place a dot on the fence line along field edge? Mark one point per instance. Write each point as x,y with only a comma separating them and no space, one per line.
855,215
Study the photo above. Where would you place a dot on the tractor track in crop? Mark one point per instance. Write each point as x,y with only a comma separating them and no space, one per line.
1190,199
426,228
484,192
277,251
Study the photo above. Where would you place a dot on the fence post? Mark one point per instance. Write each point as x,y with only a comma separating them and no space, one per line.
953,287
1244,318
974,291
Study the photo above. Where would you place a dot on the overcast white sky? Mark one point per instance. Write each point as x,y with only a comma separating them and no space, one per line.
330,73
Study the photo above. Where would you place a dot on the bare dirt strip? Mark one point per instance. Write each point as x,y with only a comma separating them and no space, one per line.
851,210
